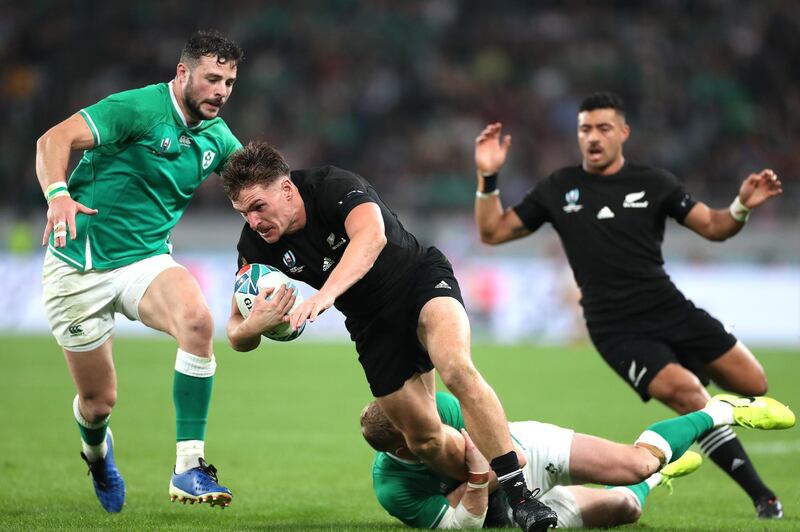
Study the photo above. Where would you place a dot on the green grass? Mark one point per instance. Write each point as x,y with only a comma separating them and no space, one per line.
283,432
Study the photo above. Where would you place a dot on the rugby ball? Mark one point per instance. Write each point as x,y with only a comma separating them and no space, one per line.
255,277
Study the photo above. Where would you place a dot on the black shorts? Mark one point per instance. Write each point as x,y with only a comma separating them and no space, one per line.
640,347
387,343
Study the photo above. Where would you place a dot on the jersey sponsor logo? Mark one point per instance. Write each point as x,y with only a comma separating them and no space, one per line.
572,198
444,285
185,141
327,263
208,158
75,330
331,240
632,200
605,213
288,259
165,143
633,376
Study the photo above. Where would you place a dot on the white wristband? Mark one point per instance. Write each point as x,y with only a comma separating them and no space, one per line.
484,195
738,211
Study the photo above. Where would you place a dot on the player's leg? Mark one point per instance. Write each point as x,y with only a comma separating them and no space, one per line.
705,346
78,306
96,381
443,330
738,371
412,409
165,296
582,507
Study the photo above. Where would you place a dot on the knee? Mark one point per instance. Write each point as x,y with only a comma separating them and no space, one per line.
685,396
755,386
196,322
627,509
95,407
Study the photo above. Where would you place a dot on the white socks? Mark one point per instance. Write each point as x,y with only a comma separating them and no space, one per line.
189,454
720,412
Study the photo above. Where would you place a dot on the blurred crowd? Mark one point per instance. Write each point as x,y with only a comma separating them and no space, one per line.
397,91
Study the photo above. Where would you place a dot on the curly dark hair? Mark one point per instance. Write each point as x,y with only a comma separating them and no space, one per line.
211,43
258,163
603,100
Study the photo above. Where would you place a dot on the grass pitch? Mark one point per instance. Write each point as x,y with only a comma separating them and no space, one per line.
283,431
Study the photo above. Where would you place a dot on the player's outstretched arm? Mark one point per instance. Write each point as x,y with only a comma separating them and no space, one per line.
494,224
720,224
244,334
52,157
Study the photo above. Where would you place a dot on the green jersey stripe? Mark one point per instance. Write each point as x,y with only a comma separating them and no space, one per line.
95,133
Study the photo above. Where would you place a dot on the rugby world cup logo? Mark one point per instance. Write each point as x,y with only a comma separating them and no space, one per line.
289,260
572,198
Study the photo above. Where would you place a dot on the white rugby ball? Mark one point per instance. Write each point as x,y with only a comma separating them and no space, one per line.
253,278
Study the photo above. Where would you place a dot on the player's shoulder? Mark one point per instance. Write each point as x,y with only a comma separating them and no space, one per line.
566,174
648,172
147,98
321,175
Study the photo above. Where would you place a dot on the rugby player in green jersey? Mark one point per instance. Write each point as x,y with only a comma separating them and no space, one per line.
558,459
108,250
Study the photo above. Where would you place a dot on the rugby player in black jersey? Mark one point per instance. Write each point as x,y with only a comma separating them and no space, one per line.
328,228
610,214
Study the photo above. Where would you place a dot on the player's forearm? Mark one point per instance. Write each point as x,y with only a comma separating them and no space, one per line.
722,225
52,157
469,507
488,213
241,336
357,260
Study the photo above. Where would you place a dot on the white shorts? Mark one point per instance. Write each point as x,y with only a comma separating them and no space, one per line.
80,306
547,448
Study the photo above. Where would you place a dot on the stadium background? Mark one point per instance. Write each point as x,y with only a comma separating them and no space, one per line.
397,91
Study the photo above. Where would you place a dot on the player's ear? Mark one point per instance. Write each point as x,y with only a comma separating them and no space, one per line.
181,72
286,187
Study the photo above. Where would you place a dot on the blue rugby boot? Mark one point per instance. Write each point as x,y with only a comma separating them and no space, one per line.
108,483
199,484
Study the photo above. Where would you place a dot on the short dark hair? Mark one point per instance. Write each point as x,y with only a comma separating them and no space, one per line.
258,163
211,43
380,433
603,100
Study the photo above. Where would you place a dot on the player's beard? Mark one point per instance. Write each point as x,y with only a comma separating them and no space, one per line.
193,103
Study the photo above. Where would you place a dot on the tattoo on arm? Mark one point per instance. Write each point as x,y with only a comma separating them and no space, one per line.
518,231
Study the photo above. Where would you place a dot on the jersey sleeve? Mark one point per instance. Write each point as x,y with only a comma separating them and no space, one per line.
532,210
342,192
677,202
120,117
449,410
403,498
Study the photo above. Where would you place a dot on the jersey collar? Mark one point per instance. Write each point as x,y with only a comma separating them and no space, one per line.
178,109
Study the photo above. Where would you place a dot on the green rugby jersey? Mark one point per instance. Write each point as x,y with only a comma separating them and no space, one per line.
140,175
410,491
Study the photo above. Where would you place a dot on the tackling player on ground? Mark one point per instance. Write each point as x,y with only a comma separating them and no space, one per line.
108,250
610,215
557,459
329,228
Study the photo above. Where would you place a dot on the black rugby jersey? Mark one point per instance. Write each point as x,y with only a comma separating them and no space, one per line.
612,228
329,194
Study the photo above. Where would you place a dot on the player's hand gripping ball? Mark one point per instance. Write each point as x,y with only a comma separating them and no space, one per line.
255,277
